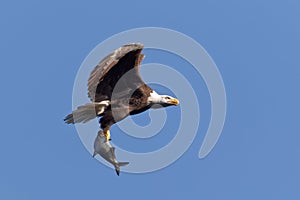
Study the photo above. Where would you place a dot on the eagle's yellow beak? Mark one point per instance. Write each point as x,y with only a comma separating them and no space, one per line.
173,101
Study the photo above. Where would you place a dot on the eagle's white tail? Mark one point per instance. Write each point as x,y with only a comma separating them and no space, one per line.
86,112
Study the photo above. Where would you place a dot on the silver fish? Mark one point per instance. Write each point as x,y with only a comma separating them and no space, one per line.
106,151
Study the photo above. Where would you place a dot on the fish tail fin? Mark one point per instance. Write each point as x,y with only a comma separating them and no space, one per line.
118,170
86,112
120,164
123,163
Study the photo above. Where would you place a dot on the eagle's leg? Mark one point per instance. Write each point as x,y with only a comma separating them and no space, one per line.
107,134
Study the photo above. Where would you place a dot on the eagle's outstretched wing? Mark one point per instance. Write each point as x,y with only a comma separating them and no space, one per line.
120,68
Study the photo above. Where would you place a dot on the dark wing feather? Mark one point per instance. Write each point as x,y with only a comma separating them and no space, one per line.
111,70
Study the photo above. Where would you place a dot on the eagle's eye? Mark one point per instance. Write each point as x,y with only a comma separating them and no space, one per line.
168,98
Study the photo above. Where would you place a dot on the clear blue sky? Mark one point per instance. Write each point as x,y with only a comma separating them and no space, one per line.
256,47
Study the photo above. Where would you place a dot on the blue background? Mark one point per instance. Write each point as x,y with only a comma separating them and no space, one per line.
256,47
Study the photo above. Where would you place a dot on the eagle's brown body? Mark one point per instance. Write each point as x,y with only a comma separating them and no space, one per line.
122,107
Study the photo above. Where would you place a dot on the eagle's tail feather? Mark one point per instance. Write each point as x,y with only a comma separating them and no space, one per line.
86,112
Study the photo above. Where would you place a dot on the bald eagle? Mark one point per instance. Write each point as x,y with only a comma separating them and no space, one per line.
116,90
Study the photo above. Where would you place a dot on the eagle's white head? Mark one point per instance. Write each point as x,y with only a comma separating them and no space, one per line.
157,101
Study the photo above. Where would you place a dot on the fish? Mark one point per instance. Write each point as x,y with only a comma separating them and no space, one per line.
107,151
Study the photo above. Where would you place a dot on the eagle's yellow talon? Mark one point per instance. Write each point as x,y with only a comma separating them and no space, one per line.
107,135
